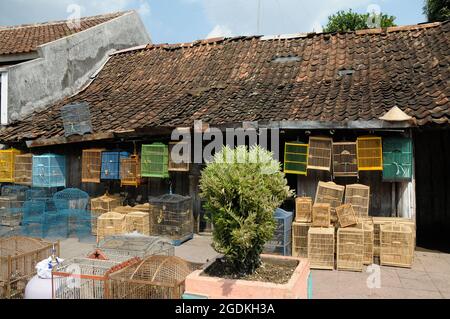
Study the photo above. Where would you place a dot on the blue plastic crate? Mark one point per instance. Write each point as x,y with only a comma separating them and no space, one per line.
281,240
111,164
49,170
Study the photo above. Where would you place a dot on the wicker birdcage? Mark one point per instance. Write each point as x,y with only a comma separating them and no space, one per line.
367,226
329,193
156,277
350,249
101,205
91,165
345,162
321,215
359,196
295,158
49,170
124,210
155,160
280,244
111,161
179,161
86,278
303,209
76,119
397,159
319,153
129,171
11,211
23,169
137,222
378,221
171,216
346,215
111,223
18,258
7,165
300,239
396,245
321,247
370,155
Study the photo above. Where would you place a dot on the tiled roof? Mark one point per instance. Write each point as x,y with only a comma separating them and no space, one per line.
250,79
27,38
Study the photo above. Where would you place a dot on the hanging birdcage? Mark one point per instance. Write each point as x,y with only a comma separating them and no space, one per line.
130,172
155,160
397,159
345,162
350,249
370,155
295,158
49,170
7,165
76,119
179,161
321,248
111,164
359,196
319,153
23,169
91,165
281,243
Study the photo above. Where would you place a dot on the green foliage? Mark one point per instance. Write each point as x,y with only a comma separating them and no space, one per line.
437,10
242,189
350,21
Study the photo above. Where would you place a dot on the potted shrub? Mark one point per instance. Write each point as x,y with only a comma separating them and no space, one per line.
242,188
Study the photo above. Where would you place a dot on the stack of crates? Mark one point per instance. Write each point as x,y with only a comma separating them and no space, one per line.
321,243
280,244
350,249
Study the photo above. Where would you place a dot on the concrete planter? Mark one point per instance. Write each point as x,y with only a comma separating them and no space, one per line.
202,286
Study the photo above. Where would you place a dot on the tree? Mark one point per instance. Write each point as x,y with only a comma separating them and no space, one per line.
437,10
242,189
350,21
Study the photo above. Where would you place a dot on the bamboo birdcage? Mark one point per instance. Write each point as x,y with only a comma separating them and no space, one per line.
321,247
303,209
295,158
137,222
350,249
110,223
7,165
321,215
179,162
101,205
91,166
156,277
359,196
319,153
329,193
396,245
378,221
346,215
367,226
345,162
370,154
129,171
23,169
300,239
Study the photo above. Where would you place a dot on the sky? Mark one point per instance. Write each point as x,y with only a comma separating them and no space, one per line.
176,21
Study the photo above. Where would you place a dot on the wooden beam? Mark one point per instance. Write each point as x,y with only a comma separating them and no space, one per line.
70,140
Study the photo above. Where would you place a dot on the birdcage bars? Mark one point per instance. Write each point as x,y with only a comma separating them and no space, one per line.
359,196
7,165
281,242
91,165
396,245
23,169
350,249
137,222
300,239
303,209
319,153
101,205
321,215
130,172
321,247
49,170
179,161
346,215
76,119
345,162
111,223
111,161
397,159
329,193
155,160
370,155
367,226
295,158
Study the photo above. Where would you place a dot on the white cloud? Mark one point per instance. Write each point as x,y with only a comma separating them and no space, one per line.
220,31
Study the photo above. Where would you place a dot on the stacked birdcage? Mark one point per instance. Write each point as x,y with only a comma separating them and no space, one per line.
367,227
396,245
346,215
303,209
345,161
129,171
171,216
135,245
350,249
23,169
370,155
101,205
295,158
281,243
156,277
111,223
49,170
76,119
359,197
321,247
85,278
111,160
155,160
179,161
38,202
300,239
319,153
321,215
7,164
331,193
18,258
137,222
91,165
11,205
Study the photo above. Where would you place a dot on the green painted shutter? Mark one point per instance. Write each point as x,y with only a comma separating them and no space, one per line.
155,160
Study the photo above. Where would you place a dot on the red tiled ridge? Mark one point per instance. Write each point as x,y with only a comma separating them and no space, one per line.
240,79
27,38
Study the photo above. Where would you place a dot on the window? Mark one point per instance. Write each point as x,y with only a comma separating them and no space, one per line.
4,98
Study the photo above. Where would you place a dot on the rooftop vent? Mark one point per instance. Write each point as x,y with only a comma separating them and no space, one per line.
284,59
346,72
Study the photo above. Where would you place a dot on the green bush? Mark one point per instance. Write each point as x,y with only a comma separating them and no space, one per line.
242,189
